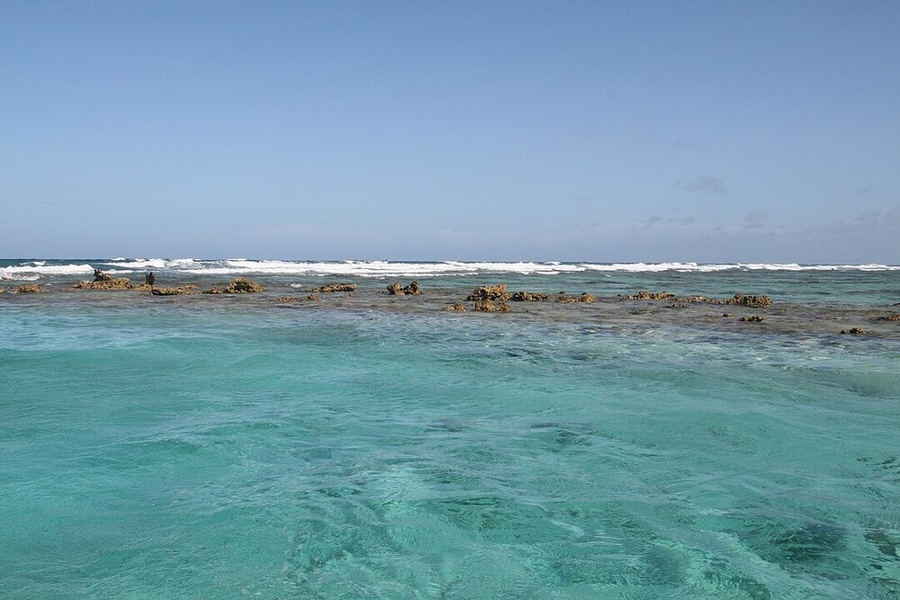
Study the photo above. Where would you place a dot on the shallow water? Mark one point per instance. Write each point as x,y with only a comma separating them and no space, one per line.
219,446
179,452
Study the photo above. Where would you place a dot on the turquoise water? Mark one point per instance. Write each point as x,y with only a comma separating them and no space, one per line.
178,452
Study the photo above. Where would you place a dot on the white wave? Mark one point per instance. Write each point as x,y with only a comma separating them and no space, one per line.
377,268
382,268
127,265
713,267
37,269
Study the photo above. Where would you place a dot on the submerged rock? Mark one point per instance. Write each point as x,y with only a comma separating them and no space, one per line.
753,319
28,289
459,307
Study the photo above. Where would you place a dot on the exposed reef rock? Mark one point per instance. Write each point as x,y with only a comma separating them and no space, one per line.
459,307
489,306
529,297
891,317
853,331
489,292
584,297
27,289
329,288
104,283
751,301
241,285
397,289
181,290
645,295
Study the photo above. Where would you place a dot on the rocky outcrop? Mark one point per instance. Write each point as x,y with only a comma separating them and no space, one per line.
890,317
489,306
241,285
330,288
27,289
753,319
645,295
853,331
180,290
459,307
105,283
584,297
528,297
751,301
397,289
489,292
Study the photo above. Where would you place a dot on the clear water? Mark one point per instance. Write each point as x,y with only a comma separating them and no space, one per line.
173,452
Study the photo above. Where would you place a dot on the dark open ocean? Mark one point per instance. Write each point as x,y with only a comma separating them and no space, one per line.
227,447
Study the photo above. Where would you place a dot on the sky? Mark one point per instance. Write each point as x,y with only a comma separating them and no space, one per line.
597,131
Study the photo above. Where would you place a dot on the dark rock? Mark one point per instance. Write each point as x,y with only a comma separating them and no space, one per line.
413,289
241,285
101,276
753,319
120,283
329,288
181,290
529,297
489,292
751,301
489,306
566,299
645,295
853,331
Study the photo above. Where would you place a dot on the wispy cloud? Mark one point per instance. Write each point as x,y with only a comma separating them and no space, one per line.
703,184
756,219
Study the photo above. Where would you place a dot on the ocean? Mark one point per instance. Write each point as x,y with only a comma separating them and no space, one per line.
362,445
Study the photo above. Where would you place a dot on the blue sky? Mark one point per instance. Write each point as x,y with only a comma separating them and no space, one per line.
596,131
